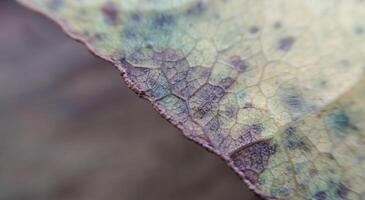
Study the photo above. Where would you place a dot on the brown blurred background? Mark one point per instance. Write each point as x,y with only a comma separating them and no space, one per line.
71,129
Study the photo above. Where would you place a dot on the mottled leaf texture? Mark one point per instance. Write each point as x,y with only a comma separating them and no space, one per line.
274,87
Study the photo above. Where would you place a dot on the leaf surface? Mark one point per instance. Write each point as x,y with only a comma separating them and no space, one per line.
274,87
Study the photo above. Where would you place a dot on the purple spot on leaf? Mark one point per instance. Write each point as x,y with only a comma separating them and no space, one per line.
226,82
342,191
239,64
251,176
254,157
320,195
162,21
254,129
136,17
110,13
197,8
286,43
254,30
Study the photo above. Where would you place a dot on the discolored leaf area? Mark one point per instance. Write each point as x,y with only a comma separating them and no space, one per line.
274,87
